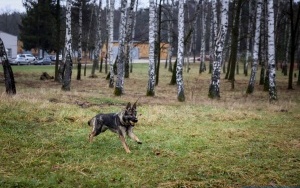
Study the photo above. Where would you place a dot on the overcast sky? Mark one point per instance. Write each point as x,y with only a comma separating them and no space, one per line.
16,5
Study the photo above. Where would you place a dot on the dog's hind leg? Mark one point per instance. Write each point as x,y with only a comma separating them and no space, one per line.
122,138
91,136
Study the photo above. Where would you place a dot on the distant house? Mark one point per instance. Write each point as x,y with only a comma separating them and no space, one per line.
10,43
140,50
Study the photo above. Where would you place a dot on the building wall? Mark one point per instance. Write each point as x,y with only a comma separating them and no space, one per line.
143,49
10,43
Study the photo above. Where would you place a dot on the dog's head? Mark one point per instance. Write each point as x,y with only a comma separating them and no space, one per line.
130,113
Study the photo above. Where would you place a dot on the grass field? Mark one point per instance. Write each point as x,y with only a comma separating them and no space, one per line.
239,140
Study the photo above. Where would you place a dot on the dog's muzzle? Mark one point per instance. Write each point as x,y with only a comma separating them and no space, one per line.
134,120
130,119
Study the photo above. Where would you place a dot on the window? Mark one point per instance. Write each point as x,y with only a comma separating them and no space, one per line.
8,51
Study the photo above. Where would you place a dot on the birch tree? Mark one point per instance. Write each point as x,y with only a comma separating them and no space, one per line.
98,46
151,71
248,40
66,86
88,41
214,88
251,84
180,53
79,42
121,56
129,37
7,70
110,43
133,35
213,31
203,38
271,52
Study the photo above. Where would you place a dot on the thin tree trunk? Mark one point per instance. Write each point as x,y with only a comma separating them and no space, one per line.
170,37
271,52
213,31
57,76
251,84
79,43
158,49
180,53
202,67
235,41
98,43
66,85
110,43
287,47
133,36
7,70
128,42
119,88
151,72
293,42
214,88
248,40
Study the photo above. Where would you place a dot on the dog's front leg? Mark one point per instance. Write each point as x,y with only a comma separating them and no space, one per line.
133,136
122,138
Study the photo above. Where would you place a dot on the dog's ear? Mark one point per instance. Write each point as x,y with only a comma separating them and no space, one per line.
134,106
128,106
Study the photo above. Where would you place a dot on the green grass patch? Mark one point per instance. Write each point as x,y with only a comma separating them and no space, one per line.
232,142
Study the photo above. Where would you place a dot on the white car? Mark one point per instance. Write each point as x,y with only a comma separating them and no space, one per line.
30,58
20,60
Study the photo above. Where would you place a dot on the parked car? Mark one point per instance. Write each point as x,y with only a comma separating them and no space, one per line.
30,58
20,60
59,57
52,57
43,61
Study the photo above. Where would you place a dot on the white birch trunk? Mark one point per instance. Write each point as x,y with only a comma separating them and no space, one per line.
98,43
67,56
133,35
180,53
120,62
213,33
151,71
214,89
271,52
251,84
248,41
170,37
129,36
110,43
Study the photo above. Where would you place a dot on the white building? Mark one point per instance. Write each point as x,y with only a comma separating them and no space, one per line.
10,43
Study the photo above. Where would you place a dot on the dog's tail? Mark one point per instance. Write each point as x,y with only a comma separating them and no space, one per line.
91,122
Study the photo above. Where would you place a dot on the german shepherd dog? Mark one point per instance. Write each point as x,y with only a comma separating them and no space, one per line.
121,123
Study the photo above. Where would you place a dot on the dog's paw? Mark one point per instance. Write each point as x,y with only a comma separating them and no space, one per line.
139,142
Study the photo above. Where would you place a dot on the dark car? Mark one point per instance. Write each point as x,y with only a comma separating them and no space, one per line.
43,61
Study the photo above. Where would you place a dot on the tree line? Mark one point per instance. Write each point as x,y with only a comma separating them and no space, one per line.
261,33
